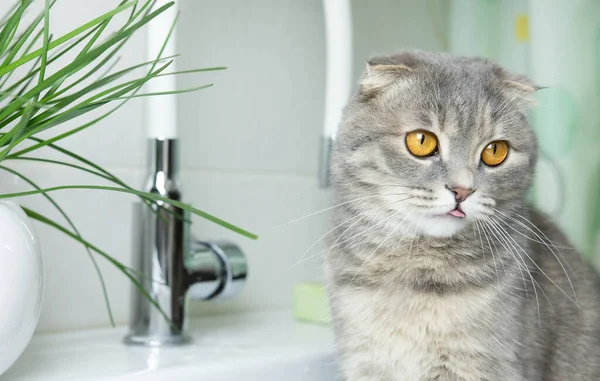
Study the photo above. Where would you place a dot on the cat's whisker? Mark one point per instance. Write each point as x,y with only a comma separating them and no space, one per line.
350,227
381,223
545,295
481,228
330,208
414,235
547,247
323,236
516,255
390,185
535,264
401,186
508,245
478,231
552,251
495,247
545,240
520,264
361,215
483,251
368,258
534,282
346,230
328,250
497,251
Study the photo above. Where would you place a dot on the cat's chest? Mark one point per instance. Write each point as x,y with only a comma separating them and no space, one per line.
420,335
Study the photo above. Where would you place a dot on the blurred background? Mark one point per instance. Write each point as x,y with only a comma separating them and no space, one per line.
250,144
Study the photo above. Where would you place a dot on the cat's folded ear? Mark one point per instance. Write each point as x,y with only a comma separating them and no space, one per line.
521,82
521,89
379,76
398,69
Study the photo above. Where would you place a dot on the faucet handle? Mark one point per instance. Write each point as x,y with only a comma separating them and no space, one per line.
216,270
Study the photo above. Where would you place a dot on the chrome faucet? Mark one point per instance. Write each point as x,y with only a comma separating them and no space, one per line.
171,265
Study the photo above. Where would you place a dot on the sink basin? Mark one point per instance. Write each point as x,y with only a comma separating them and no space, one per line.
267,346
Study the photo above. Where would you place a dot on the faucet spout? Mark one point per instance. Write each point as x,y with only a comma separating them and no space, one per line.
216,270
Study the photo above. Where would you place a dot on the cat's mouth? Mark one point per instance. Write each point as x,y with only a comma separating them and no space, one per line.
457,212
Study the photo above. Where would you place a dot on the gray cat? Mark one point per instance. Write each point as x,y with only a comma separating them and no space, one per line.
438,269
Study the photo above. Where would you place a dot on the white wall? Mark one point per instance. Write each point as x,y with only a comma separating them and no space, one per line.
250,144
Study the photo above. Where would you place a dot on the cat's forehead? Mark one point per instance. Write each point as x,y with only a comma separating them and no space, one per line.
465,112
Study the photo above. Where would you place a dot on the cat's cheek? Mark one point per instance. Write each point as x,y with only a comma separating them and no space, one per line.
477,205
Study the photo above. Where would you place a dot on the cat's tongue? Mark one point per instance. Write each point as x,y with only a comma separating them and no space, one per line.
457,213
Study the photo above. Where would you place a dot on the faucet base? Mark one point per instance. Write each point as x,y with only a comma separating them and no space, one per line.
155,341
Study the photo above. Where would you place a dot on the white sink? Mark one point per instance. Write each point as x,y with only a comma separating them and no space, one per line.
264,346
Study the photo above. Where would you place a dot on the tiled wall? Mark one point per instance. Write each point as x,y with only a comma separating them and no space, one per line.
250,144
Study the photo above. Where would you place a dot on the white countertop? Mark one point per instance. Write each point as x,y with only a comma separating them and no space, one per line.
261,346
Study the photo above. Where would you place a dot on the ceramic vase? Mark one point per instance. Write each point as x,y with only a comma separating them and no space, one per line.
21,282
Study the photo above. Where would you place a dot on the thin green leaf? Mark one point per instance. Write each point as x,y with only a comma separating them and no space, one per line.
105,79
88,46
39,124
43,143
167,38
146,195
106,175
74,33
145,9
6,17
193,71
124,269
87,75
17,133
118,93
22,39
12,25
99,171
46,41
60,119
18,155
97,85
132,14
95,37
109,68
71,165
33,41
181,91
23,102
53,58
76,231
16,115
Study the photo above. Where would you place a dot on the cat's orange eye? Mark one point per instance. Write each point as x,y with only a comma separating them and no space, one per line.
421,143
495,153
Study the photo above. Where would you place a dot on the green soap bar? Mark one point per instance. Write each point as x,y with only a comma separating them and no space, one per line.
311,303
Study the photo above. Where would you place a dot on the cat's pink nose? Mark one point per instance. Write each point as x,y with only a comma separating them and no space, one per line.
461,194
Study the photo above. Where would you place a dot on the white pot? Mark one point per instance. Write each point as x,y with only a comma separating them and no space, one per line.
21,282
